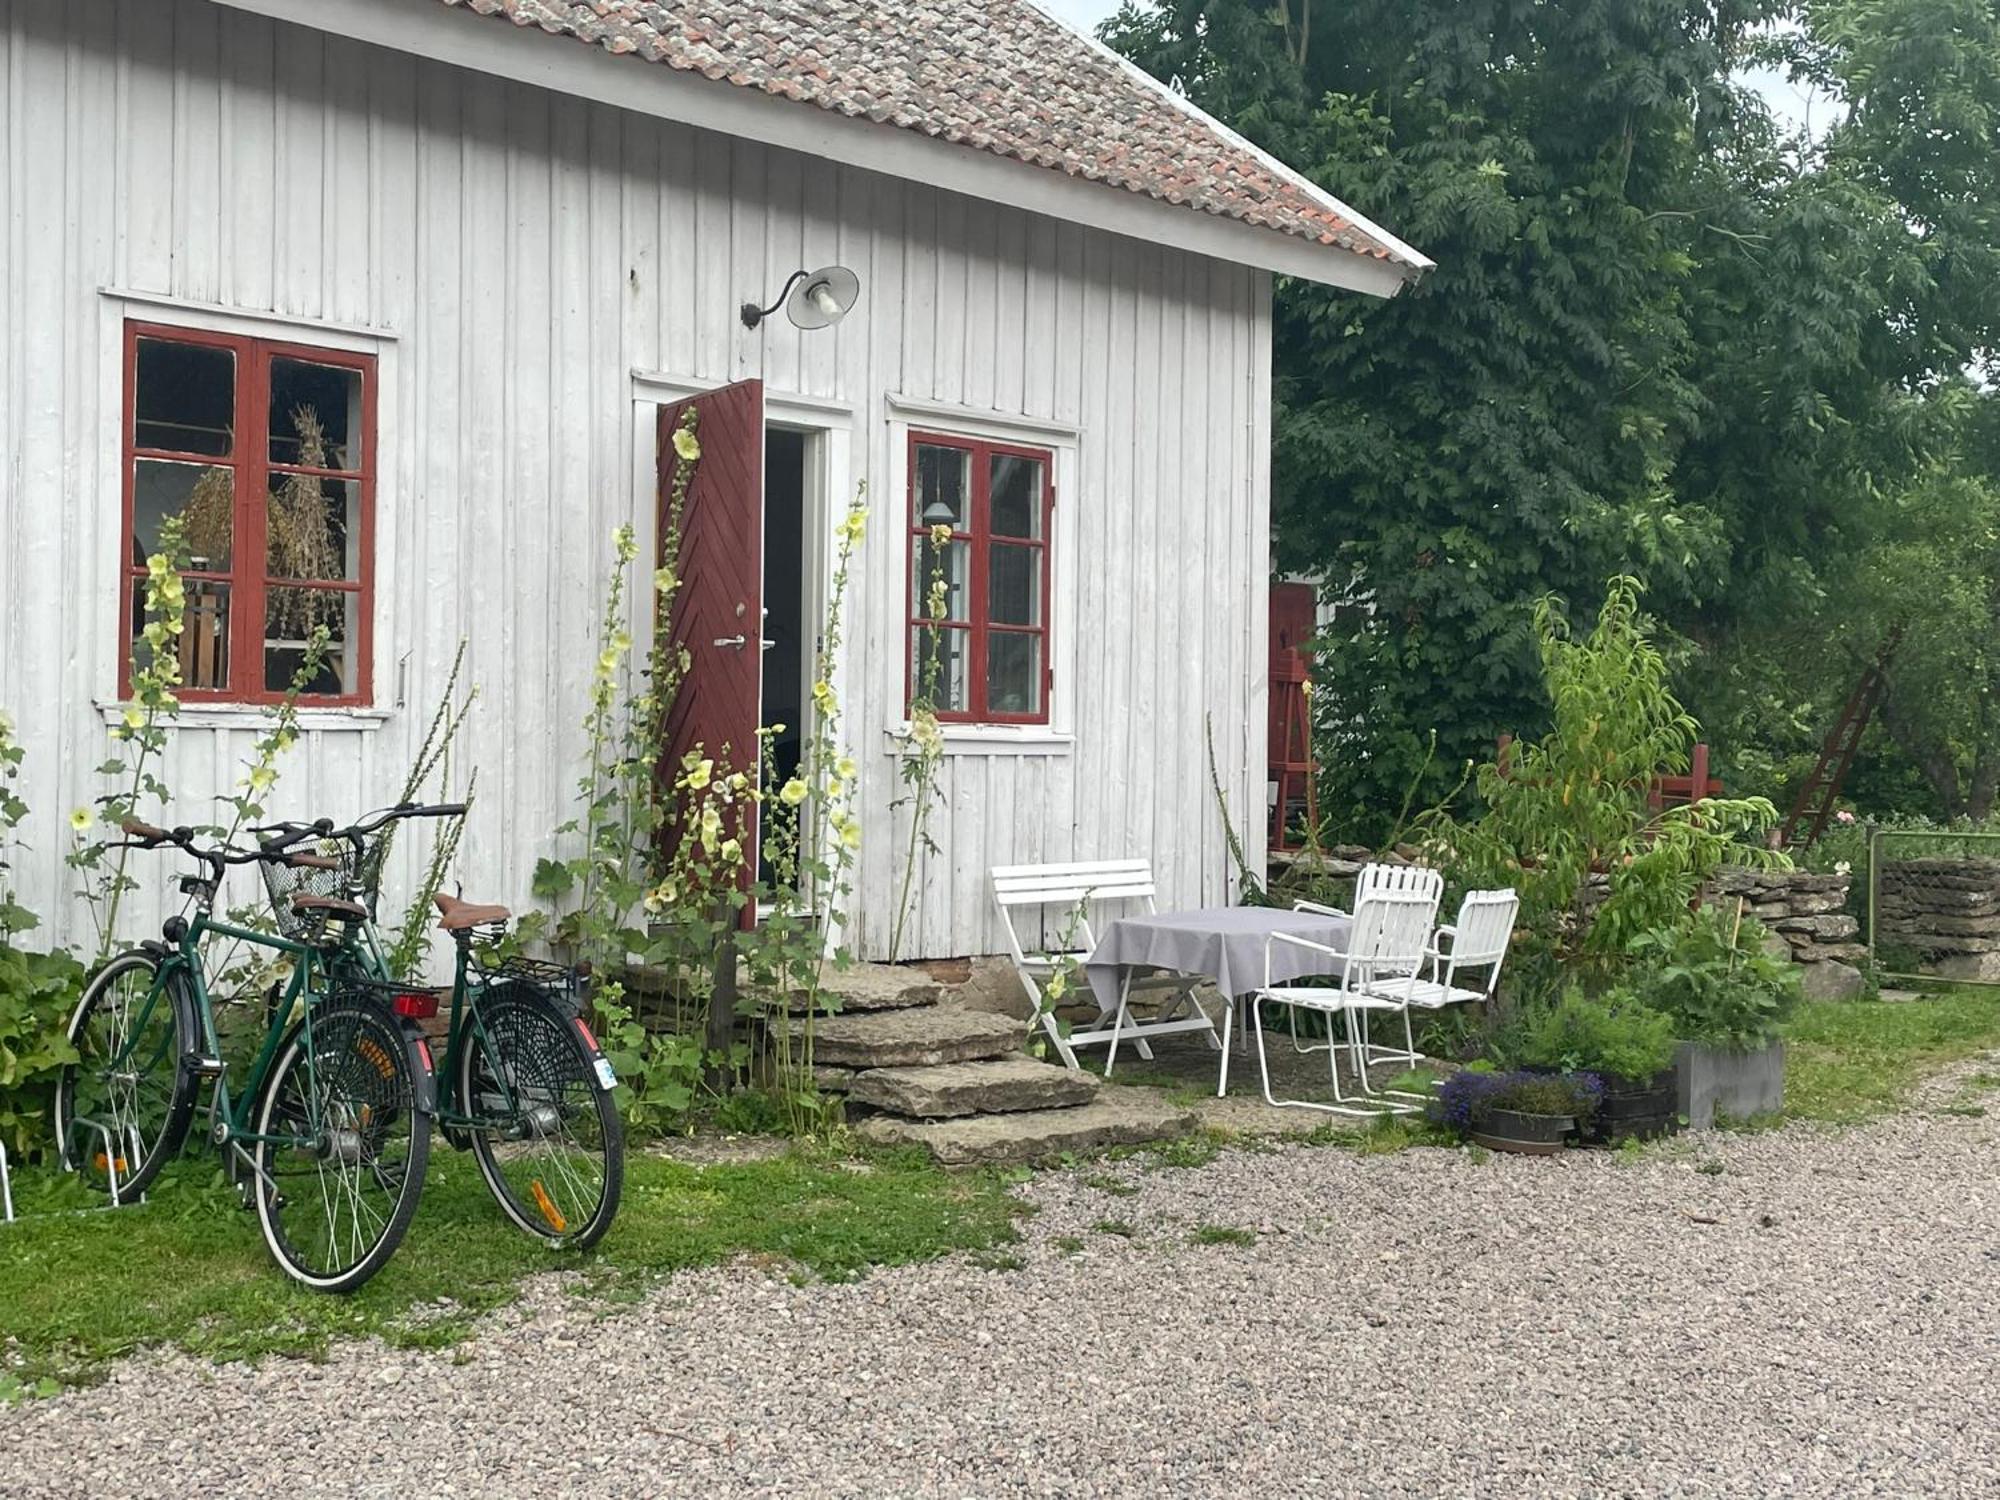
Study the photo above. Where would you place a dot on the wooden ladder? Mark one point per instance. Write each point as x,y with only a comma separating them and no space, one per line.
1814,804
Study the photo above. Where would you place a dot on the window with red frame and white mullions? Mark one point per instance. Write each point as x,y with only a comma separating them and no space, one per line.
979,579
265,450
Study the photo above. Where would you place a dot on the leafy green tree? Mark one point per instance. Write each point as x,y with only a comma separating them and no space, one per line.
1663,338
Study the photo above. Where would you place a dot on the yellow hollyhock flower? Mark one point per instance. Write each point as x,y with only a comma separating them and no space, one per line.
686,444
81,819
792,793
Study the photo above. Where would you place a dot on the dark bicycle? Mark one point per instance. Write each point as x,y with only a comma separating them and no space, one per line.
328,1139
526,1088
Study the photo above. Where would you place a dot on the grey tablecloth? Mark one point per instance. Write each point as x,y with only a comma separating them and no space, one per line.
1225,943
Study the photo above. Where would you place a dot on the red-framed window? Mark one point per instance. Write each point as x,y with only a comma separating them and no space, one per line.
980,517
266,451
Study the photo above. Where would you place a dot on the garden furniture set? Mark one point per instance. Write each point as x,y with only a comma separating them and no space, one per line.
1387,957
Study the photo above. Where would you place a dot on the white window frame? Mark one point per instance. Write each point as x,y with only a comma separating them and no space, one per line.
1064,445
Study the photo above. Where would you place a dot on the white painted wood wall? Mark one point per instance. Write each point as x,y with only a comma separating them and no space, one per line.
521,254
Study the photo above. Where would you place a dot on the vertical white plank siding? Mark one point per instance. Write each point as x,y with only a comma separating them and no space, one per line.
514,258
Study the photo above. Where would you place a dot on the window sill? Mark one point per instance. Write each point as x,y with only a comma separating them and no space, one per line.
988,739
252,716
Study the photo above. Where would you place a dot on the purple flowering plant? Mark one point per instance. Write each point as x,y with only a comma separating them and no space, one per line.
1466,1099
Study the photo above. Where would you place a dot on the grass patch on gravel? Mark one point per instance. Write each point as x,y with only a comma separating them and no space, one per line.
1223,1234
1852,1060
188,1269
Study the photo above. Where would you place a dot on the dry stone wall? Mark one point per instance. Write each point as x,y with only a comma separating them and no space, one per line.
1807,914
1945,907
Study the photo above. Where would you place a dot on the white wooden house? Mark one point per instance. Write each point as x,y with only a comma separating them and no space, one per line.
482,242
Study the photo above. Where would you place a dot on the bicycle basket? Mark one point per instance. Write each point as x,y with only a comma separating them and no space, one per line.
284,881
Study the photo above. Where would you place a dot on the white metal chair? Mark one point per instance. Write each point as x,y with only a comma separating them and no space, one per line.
1373,879
1082,889
1385,953
1477,940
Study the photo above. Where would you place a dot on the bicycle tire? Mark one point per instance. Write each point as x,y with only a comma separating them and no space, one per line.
555,1163
351,1056
155,1104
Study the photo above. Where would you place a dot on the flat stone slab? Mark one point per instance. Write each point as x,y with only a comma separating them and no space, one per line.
1117,1117
872,987
1002,1085
923,1037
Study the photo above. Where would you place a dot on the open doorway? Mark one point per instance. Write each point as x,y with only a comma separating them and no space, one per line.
787,641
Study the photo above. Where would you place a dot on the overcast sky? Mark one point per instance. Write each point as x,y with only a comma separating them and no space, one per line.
1789,103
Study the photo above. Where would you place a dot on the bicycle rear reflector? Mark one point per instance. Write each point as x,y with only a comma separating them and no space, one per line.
416,1005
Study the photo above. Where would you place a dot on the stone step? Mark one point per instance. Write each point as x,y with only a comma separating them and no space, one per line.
871,987
1117,1117
916,1038
997,1086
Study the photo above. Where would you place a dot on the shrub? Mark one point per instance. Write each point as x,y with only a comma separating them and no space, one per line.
1467,1099
1615,1035
38,994
1714,982
1567,819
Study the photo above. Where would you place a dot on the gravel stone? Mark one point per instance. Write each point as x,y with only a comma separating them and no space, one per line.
1801,1312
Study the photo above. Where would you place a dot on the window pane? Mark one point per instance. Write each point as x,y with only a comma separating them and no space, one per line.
1017,496
204,643
1014,587
312,528
203,496
186,398
289,618
943,485
315,415
1014,673
949,566
938,655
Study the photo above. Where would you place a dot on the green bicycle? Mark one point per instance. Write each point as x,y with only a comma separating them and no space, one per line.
526,1088
330,1136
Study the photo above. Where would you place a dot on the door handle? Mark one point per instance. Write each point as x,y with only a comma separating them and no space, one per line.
769,643
737,641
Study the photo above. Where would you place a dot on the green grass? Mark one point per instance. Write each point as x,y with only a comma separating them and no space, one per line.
1853,1060
1222,1234
188,1269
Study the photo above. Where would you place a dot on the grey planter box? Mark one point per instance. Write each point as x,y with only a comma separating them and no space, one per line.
1740,1084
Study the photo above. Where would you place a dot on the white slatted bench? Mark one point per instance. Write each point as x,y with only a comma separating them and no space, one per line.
1066,899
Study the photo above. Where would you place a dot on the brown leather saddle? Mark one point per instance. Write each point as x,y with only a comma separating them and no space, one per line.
457,915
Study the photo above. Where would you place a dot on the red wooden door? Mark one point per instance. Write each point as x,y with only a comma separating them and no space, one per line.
718,616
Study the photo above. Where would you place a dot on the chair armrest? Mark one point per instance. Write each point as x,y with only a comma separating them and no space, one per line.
1299,942
1320,908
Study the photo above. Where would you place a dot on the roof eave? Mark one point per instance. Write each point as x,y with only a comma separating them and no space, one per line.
496,47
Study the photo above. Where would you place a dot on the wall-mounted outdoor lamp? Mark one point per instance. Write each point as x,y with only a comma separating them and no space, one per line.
811,299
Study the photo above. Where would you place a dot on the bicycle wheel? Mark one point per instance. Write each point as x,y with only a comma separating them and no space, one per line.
122,1109
347,1136
547,1135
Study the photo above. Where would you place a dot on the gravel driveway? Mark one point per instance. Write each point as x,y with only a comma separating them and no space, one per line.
1817,1318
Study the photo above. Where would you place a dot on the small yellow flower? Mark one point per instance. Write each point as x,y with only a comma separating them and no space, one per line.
845,768
823,698
851,835
687,445
711,827
856,524
135,717
655,903
81,819
664,581
263,778
697,776
731,850
738,781
626,541
792,793
941,532
6,727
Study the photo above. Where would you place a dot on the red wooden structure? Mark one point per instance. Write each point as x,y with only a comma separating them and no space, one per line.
1293,613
